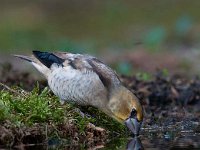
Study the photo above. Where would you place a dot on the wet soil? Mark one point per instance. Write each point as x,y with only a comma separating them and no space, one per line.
171,105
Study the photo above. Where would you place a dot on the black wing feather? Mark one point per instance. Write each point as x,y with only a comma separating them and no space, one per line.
48,58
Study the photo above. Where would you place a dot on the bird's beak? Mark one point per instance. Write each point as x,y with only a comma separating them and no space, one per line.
133,125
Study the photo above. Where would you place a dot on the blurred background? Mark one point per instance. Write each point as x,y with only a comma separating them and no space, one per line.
132,36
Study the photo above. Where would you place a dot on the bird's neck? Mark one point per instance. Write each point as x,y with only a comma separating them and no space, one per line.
115,102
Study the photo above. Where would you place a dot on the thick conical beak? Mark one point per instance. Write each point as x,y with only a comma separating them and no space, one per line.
133,125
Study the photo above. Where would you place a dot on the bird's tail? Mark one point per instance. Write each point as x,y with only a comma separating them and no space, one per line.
27,58
36,63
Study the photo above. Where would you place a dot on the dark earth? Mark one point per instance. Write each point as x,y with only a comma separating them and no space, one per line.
171,106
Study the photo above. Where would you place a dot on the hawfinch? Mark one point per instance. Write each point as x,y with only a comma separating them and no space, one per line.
86,80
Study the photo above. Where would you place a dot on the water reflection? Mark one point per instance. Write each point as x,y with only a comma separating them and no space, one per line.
157,140
134,144
147,140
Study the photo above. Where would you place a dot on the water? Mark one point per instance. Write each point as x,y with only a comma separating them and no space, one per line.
166,141
149,139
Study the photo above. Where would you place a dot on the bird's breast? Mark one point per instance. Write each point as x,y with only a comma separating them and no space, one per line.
84,88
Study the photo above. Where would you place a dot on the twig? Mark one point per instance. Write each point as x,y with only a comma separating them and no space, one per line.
10,89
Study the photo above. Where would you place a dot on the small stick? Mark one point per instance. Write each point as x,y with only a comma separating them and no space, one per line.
10,89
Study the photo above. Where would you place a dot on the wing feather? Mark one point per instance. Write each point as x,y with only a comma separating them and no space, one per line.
88,63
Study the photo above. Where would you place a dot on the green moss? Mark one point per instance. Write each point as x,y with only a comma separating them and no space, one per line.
29,108
103,120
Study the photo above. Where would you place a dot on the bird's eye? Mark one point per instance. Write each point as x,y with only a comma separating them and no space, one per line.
133,113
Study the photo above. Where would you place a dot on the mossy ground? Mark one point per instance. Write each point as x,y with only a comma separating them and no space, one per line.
37,116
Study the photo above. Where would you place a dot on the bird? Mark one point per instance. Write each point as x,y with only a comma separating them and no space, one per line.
87,81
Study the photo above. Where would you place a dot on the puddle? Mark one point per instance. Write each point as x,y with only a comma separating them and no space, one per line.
156,141
151,140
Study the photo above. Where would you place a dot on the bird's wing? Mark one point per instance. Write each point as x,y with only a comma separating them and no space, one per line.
106,74
47,58
80,62
88,63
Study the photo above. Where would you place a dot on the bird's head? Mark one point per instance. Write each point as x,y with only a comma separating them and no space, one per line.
126,108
